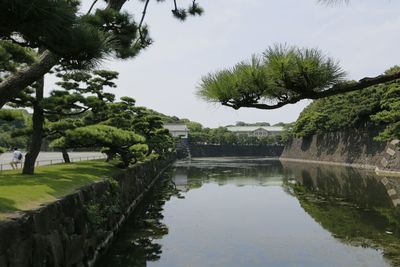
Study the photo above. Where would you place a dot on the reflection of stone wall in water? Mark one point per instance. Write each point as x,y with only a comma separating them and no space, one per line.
140,237
360,186
355,147
353,205
235,150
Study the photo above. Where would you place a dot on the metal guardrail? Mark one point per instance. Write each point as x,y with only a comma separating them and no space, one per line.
52,161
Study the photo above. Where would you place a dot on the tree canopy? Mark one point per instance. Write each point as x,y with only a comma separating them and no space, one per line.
389,114
351,110
282,75
222,136
111,139
72,39
377,106
12,120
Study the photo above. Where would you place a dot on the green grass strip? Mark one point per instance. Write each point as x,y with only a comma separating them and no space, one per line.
24,192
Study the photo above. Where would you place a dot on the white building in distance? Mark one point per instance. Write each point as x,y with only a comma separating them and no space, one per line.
178,130
257,131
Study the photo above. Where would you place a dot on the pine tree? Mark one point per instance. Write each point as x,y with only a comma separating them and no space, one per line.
71,39
64,109
282,75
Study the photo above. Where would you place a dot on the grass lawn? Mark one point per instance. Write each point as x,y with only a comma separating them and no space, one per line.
23,192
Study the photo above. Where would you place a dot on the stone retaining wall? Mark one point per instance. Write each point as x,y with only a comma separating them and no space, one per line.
74,230
352,147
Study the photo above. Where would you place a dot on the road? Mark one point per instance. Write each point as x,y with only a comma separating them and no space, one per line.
46,158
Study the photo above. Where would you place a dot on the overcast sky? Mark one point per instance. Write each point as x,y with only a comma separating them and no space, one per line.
363,36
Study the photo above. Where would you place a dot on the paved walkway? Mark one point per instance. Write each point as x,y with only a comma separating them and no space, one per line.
46,158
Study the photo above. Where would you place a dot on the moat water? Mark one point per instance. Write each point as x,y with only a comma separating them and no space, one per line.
258,212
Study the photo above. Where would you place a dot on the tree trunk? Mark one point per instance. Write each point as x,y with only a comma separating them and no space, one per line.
10,87
125,161
109,157
37,130
65,155
125,158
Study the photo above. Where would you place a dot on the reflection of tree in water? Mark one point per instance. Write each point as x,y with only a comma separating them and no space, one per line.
237,173
136,244
352,205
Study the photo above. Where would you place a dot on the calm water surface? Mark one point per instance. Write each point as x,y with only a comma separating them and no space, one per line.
242,212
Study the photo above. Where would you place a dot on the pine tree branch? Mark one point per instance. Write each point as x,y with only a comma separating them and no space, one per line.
14,84
91,7
23,44
66,114
355,86
336,89
144,12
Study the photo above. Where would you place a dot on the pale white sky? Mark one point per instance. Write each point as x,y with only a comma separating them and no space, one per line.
363,36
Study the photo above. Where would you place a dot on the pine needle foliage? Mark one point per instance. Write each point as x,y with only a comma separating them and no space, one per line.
13,57
80,41
281,73
37,21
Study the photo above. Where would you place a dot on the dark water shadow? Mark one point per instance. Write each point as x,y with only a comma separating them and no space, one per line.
136,244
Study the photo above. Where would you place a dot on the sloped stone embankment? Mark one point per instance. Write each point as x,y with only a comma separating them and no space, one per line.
74,230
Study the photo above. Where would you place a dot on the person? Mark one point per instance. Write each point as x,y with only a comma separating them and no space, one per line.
17,158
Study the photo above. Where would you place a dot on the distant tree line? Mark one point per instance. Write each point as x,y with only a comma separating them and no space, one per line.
222,136
241,123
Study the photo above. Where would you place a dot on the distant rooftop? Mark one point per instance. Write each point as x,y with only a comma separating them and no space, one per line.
254,128
176,127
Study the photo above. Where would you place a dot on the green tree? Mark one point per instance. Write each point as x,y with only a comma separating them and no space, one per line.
222,136
340,112
115,142
80,95
79,92
112,123
70,38
199,138
311,123
125,115
12,121
389,115
13,57
192,126
282,75
241,123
